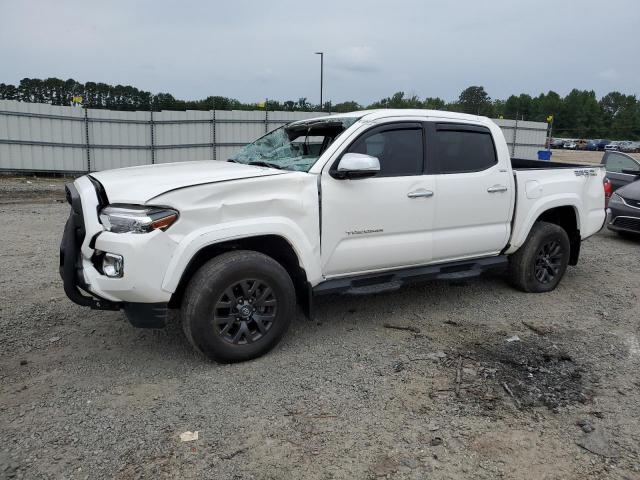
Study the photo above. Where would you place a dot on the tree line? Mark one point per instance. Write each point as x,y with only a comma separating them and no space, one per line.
580,114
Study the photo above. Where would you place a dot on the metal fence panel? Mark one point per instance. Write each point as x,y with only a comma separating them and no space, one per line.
35,136
46,158
106,159
183,136
225,153
523,137
239,126
190,127
118,139
40,137
190,154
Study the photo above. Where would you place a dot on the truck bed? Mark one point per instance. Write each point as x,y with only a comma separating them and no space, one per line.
540,183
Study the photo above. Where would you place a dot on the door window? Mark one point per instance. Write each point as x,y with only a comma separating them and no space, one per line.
464,151
399,150
616,162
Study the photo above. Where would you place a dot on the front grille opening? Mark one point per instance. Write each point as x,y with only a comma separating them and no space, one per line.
627,223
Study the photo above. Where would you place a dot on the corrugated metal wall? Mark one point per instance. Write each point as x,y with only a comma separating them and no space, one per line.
40,137
524,138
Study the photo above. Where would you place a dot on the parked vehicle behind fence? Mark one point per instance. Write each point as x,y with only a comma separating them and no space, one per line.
597,145
350,203
630,147
557,142
581,144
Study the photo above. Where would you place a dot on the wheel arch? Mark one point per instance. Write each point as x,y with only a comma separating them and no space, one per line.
272,245
568,219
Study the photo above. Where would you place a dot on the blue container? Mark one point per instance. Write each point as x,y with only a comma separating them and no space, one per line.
544,155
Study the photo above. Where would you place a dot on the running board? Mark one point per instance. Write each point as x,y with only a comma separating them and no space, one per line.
393,280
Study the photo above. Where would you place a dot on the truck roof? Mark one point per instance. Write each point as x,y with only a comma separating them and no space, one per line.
397,112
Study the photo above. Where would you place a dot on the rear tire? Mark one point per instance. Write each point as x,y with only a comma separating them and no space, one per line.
539,264
238,306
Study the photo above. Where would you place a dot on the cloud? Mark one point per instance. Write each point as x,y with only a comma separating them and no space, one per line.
248,49
610,74
356,59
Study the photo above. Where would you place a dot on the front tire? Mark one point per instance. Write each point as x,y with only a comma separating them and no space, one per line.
238,306
539,264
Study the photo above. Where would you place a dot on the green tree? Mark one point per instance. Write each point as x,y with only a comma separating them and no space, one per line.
545,105
8,92
475,100
520,107
433,103
398,100
345,107
626,121
580,114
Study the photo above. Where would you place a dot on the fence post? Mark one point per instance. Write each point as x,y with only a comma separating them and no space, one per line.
153,151
86,137
515,137
213,133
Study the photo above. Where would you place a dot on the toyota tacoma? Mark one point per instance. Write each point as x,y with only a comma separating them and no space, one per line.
351,203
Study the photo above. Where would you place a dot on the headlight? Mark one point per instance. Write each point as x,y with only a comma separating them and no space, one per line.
136,218
615,198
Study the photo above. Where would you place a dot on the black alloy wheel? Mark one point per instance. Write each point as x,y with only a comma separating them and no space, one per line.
245,311
548,261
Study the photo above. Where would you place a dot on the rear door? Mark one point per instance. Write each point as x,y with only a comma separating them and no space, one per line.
616,163
474,192
384,221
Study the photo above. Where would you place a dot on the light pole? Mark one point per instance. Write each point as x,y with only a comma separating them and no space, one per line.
321,68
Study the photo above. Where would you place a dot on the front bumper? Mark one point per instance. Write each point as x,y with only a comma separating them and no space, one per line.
623,218
138,293
71,258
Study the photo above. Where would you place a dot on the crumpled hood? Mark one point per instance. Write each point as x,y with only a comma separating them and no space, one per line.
138,185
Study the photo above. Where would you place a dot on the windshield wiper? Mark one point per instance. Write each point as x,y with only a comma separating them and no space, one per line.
260,163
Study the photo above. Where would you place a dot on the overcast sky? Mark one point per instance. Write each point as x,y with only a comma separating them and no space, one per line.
251,49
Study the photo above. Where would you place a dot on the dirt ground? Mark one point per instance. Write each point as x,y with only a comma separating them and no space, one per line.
491,383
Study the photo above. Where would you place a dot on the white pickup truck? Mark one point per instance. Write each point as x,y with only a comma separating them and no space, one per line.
349,203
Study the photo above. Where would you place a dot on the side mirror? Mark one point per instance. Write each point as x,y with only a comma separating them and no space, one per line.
356,165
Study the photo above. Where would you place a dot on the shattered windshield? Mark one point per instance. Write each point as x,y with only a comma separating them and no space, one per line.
296,146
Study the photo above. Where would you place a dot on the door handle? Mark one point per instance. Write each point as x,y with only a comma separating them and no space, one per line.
420,194
497,188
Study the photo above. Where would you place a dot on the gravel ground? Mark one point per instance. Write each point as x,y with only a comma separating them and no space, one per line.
85,395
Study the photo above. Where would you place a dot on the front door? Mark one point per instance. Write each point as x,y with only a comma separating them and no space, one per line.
383,221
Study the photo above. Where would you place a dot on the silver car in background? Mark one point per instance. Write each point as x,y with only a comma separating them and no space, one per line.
630,147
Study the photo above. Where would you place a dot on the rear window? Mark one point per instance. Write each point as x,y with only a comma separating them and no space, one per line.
460,151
